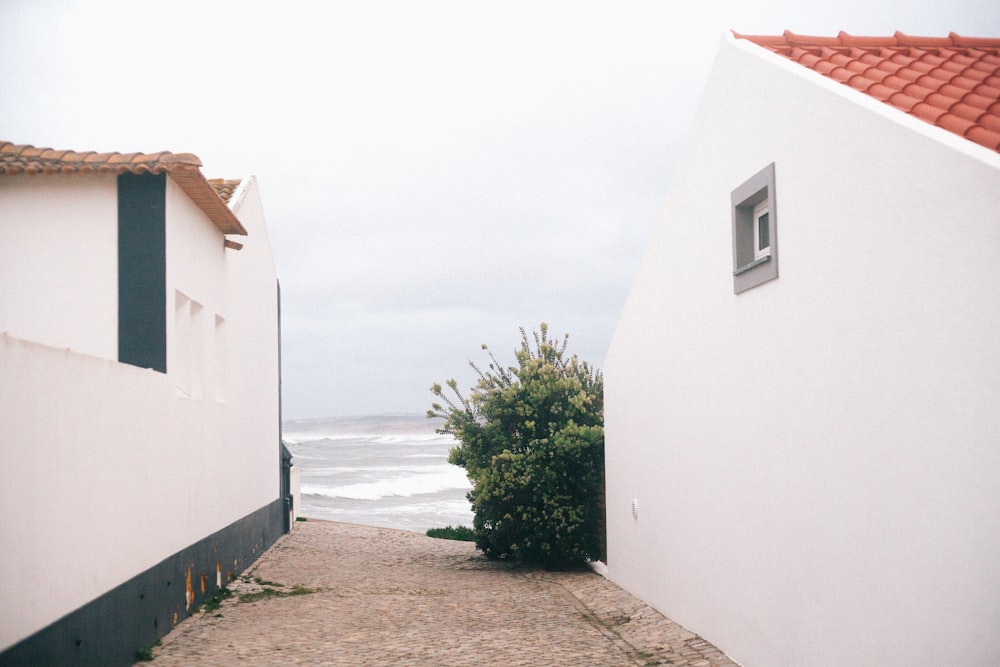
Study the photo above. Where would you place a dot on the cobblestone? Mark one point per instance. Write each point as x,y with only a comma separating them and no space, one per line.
390,597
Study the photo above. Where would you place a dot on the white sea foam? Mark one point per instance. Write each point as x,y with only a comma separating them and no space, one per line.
339,472
382,429
411,485
299,438
388,470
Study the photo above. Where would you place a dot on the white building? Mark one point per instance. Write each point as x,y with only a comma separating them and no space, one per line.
803,466
139,398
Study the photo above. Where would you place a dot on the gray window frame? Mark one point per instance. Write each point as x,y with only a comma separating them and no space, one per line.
747,271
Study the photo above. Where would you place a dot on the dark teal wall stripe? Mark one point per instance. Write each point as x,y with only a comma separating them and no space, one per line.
142,266
108,631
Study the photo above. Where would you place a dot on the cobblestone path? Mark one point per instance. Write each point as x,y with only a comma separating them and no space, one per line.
339,594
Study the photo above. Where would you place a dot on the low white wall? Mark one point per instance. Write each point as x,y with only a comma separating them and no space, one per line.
815,461
103,478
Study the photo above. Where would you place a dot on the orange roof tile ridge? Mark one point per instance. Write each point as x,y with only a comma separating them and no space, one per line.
50,155
975,42
762,40
789,38
184,168
951,82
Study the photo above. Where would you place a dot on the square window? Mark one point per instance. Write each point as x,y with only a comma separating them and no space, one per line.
755,233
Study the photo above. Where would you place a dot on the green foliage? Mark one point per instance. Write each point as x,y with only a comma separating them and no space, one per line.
145,654
214,601
266,593
531,438
461,533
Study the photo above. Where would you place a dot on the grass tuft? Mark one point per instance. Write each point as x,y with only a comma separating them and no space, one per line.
461,533
267,593
214,601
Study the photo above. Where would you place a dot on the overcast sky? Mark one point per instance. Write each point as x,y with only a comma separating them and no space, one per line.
434,174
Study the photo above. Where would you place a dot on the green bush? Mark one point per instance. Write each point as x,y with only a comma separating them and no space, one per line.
531,438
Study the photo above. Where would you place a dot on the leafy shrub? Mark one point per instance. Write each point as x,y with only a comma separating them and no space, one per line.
531,438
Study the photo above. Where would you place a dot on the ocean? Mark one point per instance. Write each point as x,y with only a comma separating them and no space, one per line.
383,470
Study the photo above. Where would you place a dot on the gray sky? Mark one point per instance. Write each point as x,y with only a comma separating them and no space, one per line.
434,174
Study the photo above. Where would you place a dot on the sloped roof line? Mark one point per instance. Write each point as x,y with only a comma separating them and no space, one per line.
184,168
952,82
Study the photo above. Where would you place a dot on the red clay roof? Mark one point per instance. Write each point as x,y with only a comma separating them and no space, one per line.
184,168
952,82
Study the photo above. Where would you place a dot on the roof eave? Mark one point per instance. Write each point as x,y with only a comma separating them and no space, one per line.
184,168
200,191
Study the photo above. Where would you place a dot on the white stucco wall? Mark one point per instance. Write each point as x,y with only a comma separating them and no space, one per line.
233,350
252,341
110,468
58,246
815,461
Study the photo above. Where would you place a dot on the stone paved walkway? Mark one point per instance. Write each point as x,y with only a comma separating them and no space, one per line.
390,597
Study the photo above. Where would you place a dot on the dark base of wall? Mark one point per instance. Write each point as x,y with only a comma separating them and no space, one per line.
109,630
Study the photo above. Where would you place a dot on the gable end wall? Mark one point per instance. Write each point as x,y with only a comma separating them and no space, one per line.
814,460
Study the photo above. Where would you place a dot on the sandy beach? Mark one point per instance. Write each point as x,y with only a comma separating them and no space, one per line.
339,594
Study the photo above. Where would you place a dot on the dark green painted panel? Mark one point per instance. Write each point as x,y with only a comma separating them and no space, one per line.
142,271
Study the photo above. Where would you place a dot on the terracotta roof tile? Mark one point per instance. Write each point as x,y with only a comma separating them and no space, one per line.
985,137
839,58
949,104
857,66
881,92
184,168
808,58
824,67
934,80
980,101
224,188
952,82
920,67
953,92
868,58
989,121
951,69
840,74
963,110
876,74
907,74
918,91
897,82
894,63
903,101
992,92
964,82
953,123
928,112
